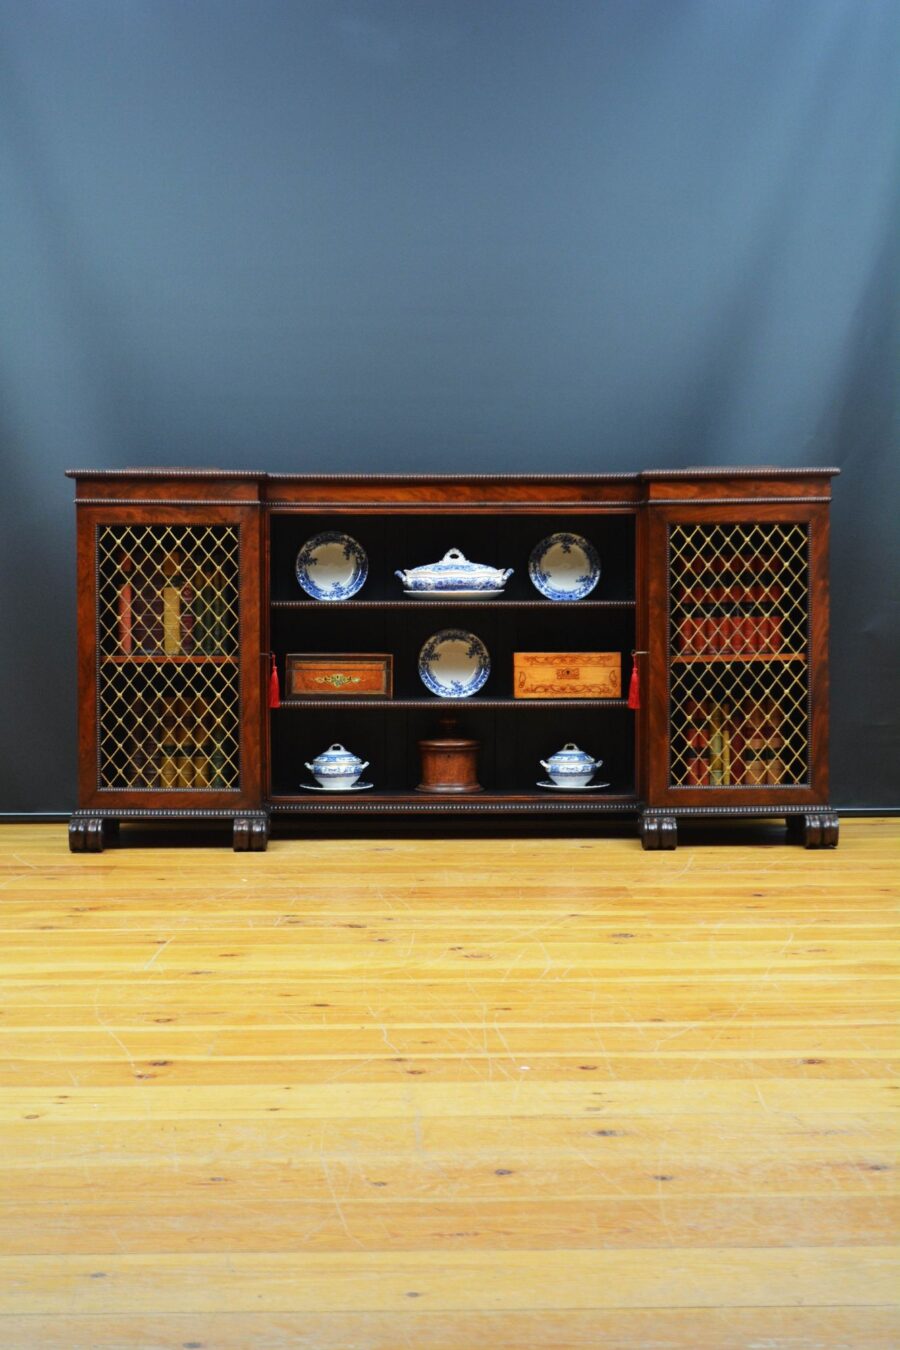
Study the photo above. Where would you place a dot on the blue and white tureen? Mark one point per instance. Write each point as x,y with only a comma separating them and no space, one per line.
337,769
571,767
455,575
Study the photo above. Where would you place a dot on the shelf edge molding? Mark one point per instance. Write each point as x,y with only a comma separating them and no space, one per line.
433,704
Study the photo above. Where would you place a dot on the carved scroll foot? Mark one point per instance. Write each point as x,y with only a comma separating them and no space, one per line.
659,832
251,834
86,834
820,829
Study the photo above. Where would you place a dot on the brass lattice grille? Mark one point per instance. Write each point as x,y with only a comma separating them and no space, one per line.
738,646
168,651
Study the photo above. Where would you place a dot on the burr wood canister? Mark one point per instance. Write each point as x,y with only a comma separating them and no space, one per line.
449,762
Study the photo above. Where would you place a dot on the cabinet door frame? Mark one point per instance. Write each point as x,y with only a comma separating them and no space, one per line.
183,800
656,604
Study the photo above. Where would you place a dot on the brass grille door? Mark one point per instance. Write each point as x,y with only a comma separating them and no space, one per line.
738,655
168,675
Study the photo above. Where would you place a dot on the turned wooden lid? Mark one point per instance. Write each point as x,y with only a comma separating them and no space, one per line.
452,743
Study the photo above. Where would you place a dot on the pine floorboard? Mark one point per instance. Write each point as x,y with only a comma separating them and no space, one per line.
448,1094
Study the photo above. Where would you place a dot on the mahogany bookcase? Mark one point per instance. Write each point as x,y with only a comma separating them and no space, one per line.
714,584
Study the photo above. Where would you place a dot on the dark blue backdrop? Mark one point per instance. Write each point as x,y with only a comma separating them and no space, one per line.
424,234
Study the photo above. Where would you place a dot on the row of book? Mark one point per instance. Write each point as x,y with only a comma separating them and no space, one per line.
726,634
731,564
708,593
173,741
162,613
730,744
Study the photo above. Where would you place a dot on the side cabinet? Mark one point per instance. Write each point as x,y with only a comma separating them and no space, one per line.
736,651
169,653
714,580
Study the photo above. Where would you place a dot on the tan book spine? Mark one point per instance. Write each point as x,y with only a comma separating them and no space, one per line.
171,598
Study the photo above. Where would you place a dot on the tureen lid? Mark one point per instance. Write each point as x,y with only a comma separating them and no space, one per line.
455,563
337,754
571,755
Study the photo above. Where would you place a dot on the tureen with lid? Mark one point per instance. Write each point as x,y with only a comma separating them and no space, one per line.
571,766
337,769
455,575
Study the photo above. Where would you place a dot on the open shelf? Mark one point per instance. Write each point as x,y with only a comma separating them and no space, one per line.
476,801
445,705
386,731
451,602
502,539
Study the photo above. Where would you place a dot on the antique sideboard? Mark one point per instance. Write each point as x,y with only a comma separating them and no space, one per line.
713,589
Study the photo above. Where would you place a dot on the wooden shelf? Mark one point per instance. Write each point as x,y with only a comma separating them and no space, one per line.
446,704
384,800
163,660
451,603
734,657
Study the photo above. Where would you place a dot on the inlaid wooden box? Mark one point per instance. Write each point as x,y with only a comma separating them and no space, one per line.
356,674
567,674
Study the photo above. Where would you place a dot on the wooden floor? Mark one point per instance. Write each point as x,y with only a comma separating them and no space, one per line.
464,1093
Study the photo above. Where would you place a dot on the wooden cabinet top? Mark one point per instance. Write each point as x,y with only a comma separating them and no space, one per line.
334,490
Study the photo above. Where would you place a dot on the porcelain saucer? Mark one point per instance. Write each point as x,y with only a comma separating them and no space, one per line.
564,787
354,787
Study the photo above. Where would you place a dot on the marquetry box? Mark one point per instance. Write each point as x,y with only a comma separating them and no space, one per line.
567,674
355,674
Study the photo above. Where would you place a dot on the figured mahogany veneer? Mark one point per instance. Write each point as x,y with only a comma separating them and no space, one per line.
633,517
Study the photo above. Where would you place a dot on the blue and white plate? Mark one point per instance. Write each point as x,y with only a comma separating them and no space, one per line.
564,567
331,566
454,664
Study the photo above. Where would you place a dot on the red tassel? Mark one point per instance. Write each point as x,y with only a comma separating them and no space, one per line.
274,687
634,688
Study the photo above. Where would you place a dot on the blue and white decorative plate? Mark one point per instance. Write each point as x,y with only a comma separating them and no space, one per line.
564,566
331,566
454,664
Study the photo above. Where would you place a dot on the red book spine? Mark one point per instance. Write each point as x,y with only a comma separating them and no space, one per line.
687,631
148,618
698,771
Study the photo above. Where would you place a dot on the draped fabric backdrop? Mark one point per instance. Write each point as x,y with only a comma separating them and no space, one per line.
496,235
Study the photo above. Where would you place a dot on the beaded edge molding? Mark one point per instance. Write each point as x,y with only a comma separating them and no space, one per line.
721,471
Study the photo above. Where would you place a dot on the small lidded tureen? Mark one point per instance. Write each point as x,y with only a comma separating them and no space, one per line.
336,769
455,575
571,767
